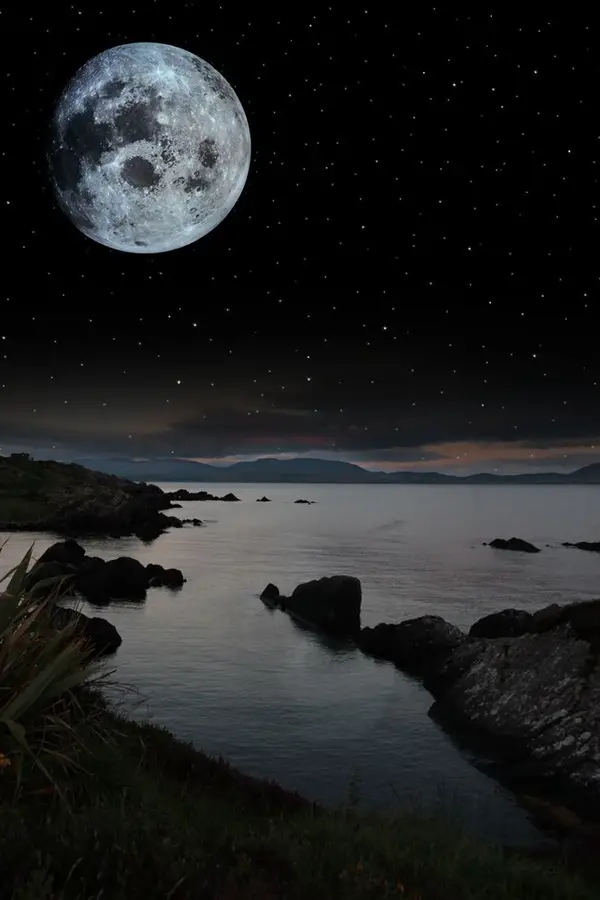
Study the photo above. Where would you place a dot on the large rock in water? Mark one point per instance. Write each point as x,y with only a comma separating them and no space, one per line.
416,645
514,543
97,580
67,553
537,697
331,604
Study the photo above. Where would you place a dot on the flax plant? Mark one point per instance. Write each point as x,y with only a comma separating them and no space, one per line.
47,676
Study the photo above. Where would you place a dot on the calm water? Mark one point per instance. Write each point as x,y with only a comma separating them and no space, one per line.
245,682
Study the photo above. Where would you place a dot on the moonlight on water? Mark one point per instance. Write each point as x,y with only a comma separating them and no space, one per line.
149,148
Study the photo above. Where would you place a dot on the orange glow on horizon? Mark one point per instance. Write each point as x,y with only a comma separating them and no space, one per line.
476,457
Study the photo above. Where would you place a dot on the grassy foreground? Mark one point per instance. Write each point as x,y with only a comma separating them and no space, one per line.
96,807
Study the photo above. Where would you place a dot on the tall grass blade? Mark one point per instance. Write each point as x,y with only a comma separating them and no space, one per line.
17,581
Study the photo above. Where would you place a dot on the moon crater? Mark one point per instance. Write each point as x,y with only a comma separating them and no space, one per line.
149,148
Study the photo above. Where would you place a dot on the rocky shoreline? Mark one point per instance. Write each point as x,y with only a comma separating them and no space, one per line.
71,501
64,570
524,686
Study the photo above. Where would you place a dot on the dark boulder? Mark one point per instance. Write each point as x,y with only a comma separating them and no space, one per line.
150,531
230,498
271,592
416,645
272,598
331,604
592,546
95,579
306,502
547,618
584,621
262,500
513,543
122,578
88,580
507,623
68,553
184,494
539,695
158,576
102,637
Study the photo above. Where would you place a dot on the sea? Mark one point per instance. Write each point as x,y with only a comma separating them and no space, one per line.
241,681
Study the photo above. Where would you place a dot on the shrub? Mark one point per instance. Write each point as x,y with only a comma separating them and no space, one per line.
44,670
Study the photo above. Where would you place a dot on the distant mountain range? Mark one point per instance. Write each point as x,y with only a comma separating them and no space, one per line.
313,471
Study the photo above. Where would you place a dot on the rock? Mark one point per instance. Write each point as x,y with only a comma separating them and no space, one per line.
89,582
514,543
592,546
67,553
184,494
306,502
161,577
150,531
539,695
507,623
122,578
547,618
271,592
447,669
99,581
196,523
102,636
584,619
272,598
73,501
332,604
415,645
263,500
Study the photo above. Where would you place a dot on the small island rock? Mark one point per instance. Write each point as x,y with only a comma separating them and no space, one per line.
513,543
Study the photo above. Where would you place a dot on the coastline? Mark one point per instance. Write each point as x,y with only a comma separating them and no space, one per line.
141,787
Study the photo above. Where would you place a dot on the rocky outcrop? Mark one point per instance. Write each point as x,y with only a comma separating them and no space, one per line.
183,494
95,579
306,502
102,637
415,645
592,546
537,699
513,543
532,695
329,604
526,686
507,623
70,500
271,596
262,500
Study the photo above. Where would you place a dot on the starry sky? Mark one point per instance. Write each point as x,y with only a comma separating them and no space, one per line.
408,281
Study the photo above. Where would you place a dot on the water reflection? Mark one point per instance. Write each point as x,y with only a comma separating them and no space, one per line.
280,702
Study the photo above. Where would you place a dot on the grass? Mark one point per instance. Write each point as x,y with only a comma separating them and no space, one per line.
94,806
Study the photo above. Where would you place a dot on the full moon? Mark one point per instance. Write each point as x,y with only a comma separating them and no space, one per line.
149,148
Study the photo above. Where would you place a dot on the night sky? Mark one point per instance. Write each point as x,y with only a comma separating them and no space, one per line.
409,279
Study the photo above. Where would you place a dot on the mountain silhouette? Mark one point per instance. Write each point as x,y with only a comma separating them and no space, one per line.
315,471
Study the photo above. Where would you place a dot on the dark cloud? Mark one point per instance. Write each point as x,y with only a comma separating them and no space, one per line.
383,410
